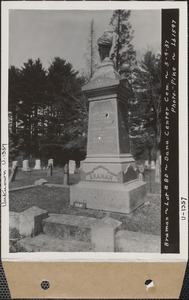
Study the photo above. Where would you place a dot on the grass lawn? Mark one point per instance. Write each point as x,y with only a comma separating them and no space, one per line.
56,200
28,178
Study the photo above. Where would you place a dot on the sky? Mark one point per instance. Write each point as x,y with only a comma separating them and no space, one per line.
50,33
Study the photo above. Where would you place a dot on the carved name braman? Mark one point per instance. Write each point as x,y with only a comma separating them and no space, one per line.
101,174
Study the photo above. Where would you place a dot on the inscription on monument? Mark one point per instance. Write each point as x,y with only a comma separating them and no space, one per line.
101,174
102,136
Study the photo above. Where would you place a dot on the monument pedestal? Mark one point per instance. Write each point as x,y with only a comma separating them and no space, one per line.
122,198
108,176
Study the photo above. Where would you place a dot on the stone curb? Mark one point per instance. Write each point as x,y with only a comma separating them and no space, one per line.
35,185
23,188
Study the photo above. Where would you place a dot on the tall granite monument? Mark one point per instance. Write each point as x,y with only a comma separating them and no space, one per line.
109,178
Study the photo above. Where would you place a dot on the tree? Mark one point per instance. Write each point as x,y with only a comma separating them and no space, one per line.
91,56
14,97
66,112
145,121
48,114
126,55
33,98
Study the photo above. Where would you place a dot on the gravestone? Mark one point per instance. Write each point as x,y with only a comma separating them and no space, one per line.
37,164
146,164
25,166
72,166
108,177
51,162
14,164
153,165
141,173
66,175
40,181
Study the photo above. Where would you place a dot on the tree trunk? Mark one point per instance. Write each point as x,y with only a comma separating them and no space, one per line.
158,168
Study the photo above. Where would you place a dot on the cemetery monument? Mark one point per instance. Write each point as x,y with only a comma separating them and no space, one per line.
108,176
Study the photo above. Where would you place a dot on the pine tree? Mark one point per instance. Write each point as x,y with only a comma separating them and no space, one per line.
126,55
33,98
14,97
145,119
66,112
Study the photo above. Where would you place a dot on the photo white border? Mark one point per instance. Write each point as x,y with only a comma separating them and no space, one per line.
183,130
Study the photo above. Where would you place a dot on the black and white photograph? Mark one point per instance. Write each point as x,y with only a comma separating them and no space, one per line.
92,131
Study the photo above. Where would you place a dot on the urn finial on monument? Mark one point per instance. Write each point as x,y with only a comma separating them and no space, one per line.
108,177
107,45
106,74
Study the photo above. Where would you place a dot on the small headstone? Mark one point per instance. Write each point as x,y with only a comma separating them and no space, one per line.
14,163
66,175
140,177
49,170
146,164
25,166
41,181
103,234
37,164
153,165
72,166
51,162
141,173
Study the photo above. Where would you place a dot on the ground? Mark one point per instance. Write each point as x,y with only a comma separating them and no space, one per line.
145,219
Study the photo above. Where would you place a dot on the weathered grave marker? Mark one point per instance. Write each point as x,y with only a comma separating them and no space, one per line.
41,181
66,175
146,164
25,166
72,166
14,163
141,173
153,165
51,162
37,164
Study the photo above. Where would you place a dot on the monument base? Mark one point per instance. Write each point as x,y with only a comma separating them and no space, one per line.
117,197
